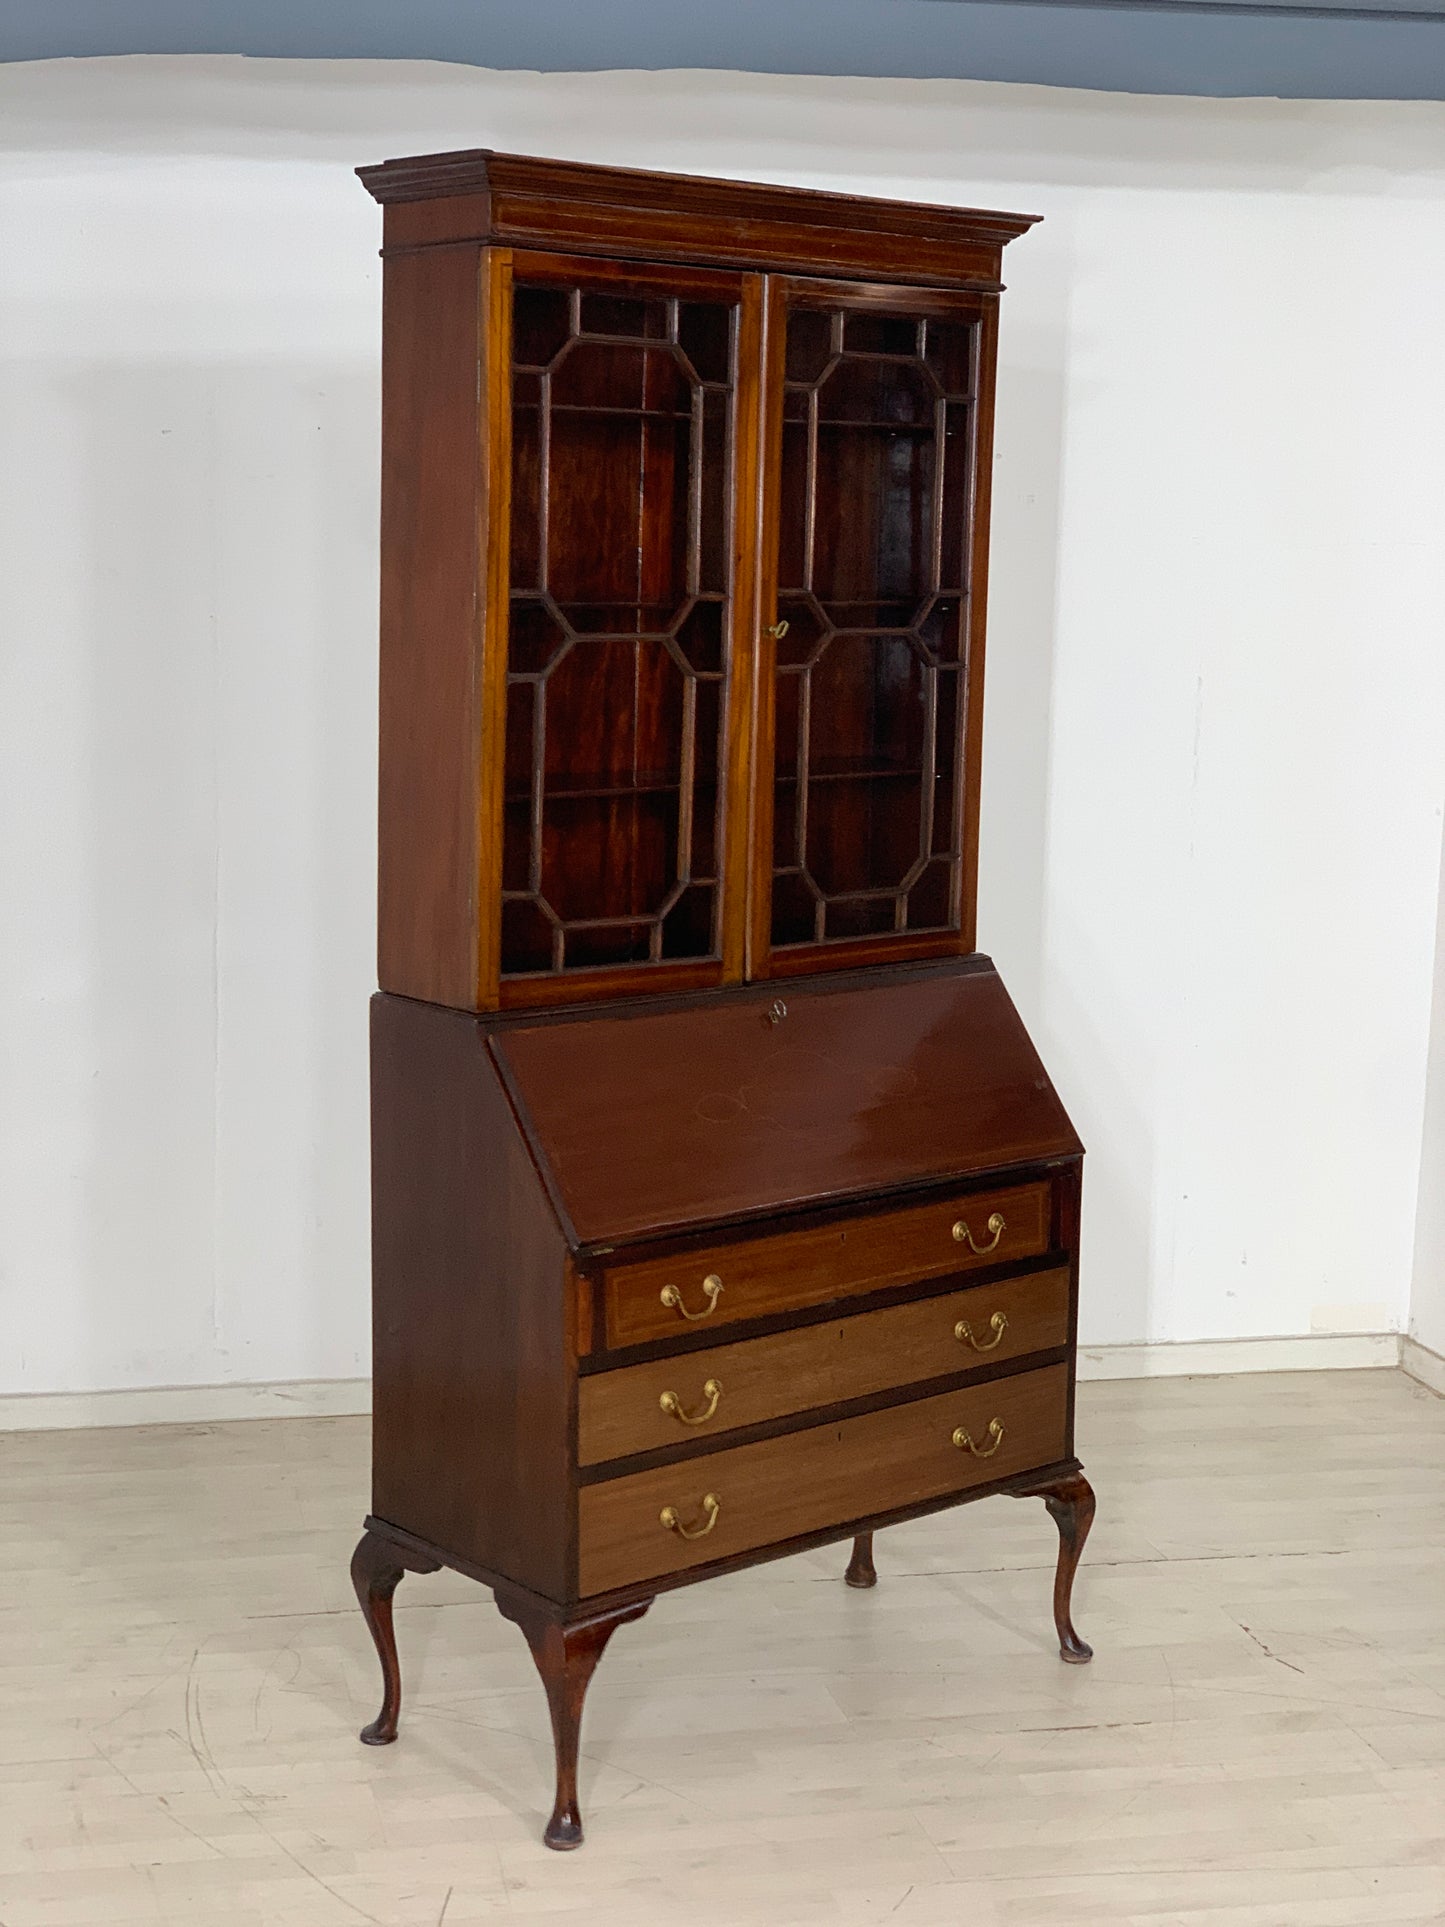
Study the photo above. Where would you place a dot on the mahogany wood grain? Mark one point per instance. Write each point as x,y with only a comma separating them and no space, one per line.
495,428
441,199
861,1571
472,1322
566,1652
377,1567
628,1038
763,789
842,516
739,802
836,1260
862,1088
780,1487
1070,1503
434,502
622,1412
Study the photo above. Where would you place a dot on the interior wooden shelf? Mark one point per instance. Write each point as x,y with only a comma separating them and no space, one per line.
581,789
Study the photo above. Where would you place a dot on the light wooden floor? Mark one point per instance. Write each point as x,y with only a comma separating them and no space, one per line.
1260,1740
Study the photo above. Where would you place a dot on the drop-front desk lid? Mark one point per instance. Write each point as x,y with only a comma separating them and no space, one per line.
778,1095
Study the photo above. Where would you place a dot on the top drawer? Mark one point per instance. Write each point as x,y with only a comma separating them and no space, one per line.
720,1284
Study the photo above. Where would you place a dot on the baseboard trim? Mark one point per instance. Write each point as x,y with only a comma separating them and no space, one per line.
1423,1364
351,1397
1220,1357
185,1404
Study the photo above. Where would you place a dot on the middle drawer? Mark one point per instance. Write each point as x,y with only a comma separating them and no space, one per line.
701,1393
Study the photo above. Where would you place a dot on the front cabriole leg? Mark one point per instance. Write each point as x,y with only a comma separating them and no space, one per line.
376,1569
566,1654
1070,1501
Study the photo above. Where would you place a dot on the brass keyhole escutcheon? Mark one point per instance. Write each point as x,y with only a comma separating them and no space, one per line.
711,1290
672,1404
962,1235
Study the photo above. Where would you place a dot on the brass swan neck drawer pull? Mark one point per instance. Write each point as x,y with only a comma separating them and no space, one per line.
712,1287
965,1444
711,1505
964,1236
964,1332
672,1404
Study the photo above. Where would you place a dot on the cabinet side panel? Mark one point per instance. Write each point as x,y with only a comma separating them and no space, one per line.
430,722
472,1352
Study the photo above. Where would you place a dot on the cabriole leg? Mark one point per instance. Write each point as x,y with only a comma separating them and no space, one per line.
1071,1506
376,1569
860,1567
566,1657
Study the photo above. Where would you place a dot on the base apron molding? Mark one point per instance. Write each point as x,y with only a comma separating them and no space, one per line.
1222,1357
1423,1364
185,1404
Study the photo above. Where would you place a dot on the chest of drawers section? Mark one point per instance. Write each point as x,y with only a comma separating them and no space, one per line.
886,1379
659,1295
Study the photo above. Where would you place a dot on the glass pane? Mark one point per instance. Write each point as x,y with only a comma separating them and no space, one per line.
874,521
610,314
619,628
541,325
795,909
704,333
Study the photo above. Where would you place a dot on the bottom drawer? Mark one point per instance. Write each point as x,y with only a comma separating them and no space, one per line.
733,1501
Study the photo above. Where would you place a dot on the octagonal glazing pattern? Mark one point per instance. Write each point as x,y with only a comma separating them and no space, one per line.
873,598
619,627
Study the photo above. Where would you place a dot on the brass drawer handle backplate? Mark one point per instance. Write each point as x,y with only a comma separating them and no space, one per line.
672,1404
711,1505
962,1235
998,1325
965,1444
712,1288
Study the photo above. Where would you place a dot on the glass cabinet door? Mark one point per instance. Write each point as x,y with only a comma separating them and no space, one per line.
872,396
619,639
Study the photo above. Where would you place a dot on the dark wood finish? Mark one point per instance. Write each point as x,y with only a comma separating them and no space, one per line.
861,1571
566,1652
872,398
759,1379
472,1327
433,508
1070,1503
377,1566
476,195
495,433
664,1297
859,1090
739,801
632,405
572,794
797,1483
643,851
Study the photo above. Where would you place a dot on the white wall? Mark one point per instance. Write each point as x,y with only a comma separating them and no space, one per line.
1216,746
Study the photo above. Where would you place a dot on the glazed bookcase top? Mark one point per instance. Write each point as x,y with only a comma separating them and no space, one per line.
685,502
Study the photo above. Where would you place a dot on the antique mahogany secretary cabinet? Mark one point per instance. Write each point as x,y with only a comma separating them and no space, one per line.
722,1206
